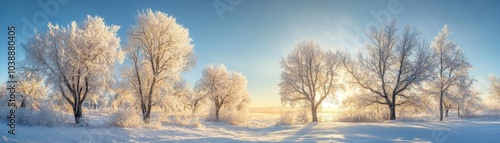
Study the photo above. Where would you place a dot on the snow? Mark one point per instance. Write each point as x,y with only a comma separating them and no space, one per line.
262,127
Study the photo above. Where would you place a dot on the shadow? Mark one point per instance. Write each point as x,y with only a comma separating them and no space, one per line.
387,132
475,131
216,140
302,132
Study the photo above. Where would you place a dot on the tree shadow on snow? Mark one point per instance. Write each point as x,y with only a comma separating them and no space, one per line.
304,134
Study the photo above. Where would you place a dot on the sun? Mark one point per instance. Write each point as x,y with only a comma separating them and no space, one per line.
333,106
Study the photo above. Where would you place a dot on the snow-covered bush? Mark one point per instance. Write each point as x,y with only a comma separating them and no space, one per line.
4,109
474,114
46,116
234,117
362,115
182,120
107,110
417,117
50,117
287,118
295,116
152,125
125,119
304,115
24,116
186,120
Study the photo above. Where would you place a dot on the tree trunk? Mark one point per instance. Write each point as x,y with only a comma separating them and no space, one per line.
392,109
217,109
378,110
458,111
314,114
23,103
441,106
446,111
193,111
77,111
147,115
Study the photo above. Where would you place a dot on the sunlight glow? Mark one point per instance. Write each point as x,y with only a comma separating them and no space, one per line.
332,105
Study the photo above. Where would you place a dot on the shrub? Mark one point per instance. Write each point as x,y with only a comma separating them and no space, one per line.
46,116
361,116
287,118
108,110
234,117
182,119
187,121
304,115
125,119
50,117
152,124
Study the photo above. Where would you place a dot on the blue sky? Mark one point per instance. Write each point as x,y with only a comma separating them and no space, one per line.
253,37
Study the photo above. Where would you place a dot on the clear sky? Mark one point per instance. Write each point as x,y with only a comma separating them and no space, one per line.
252,37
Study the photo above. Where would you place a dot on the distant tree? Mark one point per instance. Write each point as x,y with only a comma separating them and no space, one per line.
160,49
122,95
76,60
226,89
310,76
494,87
3,90
394,64
459,94
451,64
197,99
471,103
31,89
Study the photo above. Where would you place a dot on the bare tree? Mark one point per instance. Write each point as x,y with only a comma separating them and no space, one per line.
160,49
459,93
310,76
451,63
77,60
225,88
393,65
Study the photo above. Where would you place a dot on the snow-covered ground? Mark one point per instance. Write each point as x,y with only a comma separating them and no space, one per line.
263,128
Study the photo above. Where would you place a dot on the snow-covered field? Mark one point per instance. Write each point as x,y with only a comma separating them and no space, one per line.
262,128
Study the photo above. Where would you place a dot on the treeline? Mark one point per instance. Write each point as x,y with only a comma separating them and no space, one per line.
396,68
67,67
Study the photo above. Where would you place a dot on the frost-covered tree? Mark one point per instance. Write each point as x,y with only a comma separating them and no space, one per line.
310,76
122,95
459,93
494,87
160,49
77,60
3,89
451,62
471,103
226,89
31,89
178,99
197,99
394,64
